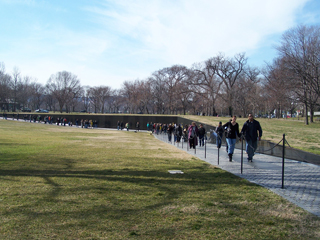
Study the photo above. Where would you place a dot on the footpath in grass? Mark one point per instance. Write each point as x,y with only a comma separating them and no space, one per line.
71,183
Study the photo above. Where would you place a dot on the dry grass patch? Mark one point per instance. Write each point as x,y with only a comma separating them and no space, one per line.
55,187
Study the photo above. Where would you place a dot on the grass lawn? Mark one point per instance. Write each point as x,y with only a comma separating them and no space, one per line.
71,183
298,135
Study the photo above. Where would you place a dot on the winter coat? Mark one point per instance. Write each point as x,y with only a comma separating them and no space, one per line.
251,130
233,132
202,131
219,131
178,131
196,133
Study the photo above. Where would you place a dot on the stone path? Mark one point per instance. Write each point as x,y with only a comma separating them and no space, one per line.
301,180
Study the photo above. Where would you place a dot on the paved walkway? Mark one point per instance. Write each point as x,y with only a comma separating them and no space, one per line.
301,180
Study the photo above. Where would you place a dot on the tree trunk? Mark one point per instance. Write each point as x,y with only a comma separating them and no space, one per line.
306,111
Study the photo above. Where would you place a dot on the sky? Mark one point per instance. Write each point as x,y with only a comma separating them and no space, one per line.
105,43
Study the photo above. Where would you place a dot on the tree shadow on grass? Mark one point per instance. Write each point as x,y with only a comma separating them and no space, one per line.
115,196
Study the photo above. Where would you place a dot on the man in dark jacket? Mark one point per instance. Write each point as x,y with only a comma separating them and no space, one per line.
252,132
178,132
201,132
170,130
218,133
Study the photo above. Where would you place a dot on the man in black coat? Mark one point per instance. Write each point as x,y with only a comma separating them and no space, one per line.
201,132
252,132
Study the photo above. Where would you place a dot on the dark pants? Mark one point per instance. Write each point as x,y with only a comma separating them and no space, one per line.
201,140
251,147
192,142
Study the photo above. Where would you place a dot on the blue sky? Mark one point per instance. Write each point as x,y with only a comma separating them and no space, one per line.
108,42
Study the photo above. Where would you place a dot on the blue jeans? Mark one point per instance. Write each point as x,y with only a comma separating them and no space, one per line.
218,140
251,147
169,137
231,144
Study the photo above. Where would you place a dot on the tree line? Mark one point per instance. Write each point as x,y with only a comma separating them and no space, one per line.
221,85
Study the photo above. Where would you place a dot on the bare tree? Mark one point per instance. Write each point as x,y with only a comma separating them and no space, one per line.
168,80
115,101
85,98
64,86
300,51
157,84
37,94
5,88
185,95
247,92
99,96
49,100
130,95
228,71
25,95
145,96
205,83
16,82
278,85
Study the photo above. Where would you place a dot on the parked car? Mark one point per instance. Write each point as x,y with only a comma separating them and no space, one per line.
26,110
42,111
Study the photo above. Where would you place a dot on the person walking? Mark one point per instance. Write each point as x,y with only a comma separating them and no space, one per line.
218,133
170,131
202,133
193,135
178,132
252,133
232,131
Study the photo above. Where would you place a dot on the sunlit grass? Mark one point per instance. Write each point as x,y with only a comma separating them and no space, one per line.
73,183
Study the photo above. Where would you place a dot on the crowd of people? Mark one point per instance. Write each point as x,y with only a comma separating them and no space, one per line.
60,121
251,131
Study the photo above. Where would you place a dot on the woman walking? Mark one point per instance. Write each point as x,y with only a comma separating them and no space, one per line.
193,135
232,131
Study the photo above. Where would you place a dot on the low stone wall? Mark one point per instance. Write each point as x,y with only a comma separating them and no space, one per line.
273,149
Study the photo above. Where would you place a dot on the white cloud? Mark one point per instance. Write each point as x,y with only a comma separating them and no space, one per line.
125,40
186,31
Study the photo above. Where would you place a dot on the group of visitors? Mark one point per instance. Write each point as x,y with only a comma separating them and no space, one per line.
175,130
60,121
251,131
194,132
120,126
87,123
